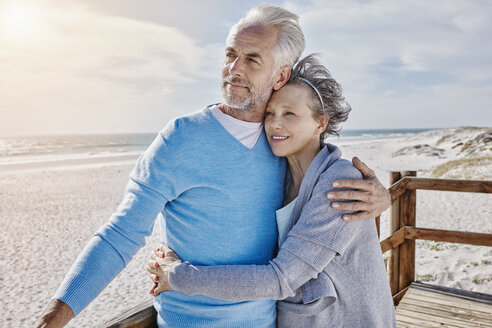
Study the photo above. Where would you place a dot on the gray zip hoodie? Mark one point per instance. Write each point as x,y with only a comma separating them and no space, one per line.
327,273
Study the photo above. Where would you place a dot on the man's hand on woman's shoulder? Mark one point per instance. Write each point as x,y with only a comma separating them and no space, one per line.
370,198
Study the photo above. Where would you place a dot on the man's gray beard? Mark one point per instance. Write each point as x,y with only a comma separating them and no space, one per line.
246,103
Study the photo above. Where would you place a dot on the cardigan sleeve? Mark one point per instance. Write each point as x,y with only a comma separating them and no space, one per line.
309,247
117,241
249,282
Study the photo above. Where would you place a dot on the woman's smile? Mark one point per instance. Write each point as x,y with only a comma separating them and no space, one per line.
278,138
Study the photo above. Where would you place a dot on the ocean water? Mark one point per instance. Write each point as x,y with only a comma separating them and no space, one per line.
73,149
33,149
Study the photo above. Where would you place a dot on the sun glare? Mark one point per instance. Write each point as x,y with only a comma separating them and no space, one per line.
16,17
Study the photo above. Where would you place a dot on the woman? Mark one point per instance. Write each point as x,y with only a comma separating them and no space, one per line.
328,272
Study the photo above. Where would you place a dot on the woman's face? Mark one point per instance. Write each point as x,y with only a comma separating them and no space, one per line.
289,123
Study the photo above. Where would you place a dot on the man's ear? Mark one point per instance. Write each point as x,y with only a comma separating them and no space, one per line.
281,77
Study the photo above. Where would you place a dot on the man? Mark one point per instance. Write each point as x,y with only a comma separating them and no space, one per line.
217,185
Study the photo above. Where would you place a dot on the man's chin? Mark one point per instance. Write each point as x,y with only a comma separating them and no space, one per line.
237,103
237,106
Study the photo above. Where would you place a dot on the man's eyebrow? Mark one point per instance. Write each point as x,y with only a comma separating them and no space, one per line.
251,54
254,55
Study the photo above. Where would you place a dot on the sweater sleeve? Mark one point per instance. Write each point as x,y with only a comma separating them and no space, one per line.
116,242
309,247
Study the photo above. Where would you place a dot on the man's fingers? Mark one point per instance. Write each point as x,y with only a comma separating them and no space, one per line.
363,168
152,290
357,216
348,195
153,255
152,267
151,270
169,252
349,206
159,288
154,277
364,185
158,253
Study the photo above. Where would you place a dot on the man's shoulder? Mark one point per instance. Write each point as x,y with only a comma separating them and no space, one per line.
192,123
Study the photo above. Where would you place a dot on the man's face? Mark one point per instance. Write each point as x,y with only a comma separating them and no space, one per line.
248,72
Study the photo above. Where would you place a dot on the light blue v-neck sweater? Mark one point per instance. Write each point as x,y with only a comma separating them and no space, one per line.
217,199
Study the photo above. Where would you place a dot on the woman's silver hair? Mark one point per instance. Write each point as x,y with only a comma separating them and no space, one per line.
290,43
326,93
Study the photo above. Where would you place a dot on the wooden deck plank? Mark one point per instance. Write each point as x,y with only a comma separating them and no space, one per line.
465,294
433,321
402,324
448,300
479,313
436,306
453,311
405,322
449,313
429,320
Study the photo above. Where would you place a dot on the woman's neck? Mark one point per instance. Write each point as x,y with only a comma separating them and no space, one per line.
298,165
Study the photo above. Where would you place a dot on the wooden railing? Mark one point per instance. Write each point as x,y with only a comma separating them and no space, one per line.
401,242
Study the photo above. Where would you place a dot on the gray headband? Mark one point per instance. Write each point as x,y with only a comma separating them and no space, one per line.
314,88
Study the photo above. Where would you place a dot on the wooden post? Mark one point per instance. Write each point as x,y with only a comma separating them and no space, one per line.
407,249
394,257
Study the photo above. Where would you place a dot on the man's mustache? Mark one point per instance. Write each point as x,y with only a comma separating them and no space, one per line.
236,81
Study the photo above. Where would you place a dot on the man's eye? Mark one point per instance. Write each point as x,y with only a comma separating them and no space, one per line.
290,113
268,113
252,60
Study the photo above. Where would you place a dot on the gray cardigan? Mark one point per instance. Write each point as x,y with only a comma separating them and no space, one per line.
327,273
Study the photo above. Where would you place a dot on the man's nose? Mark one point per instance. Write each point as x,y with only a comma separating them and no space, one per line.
237,67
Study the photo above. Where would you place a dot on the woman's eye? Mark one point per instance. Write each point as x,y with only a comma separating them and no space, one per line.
290,113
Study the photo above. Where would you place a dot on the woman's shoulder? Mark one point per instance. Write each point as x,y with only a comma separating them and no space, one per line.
340,169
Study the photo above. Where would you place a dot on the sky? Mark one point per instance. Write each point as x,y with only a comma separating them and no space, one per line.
124,66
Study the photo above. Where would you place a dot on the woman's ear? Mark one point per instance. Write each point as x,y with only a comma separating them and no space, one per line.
281,77
322,123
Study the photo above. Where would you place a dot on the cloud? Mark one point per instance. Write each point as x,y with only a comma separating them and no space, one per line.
78,67
405,55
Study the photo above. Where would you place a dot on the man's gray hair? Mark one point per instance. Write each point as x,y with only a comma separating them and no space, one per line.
326,93
290,43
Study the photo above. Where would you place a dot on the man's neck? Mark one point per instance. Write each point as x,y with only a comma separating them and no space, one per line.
253,115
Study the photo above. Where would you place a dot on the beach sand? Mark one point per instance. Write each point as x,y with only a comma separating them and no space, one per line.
47,217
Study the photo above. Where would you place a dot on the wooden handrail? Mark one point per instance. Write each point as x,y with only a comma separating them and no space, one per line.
398,188
393,241
478,186
450,236
450,185
401,242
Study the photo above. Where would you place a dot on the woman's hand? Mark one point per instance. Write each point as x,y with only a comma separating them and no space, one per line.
160,263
